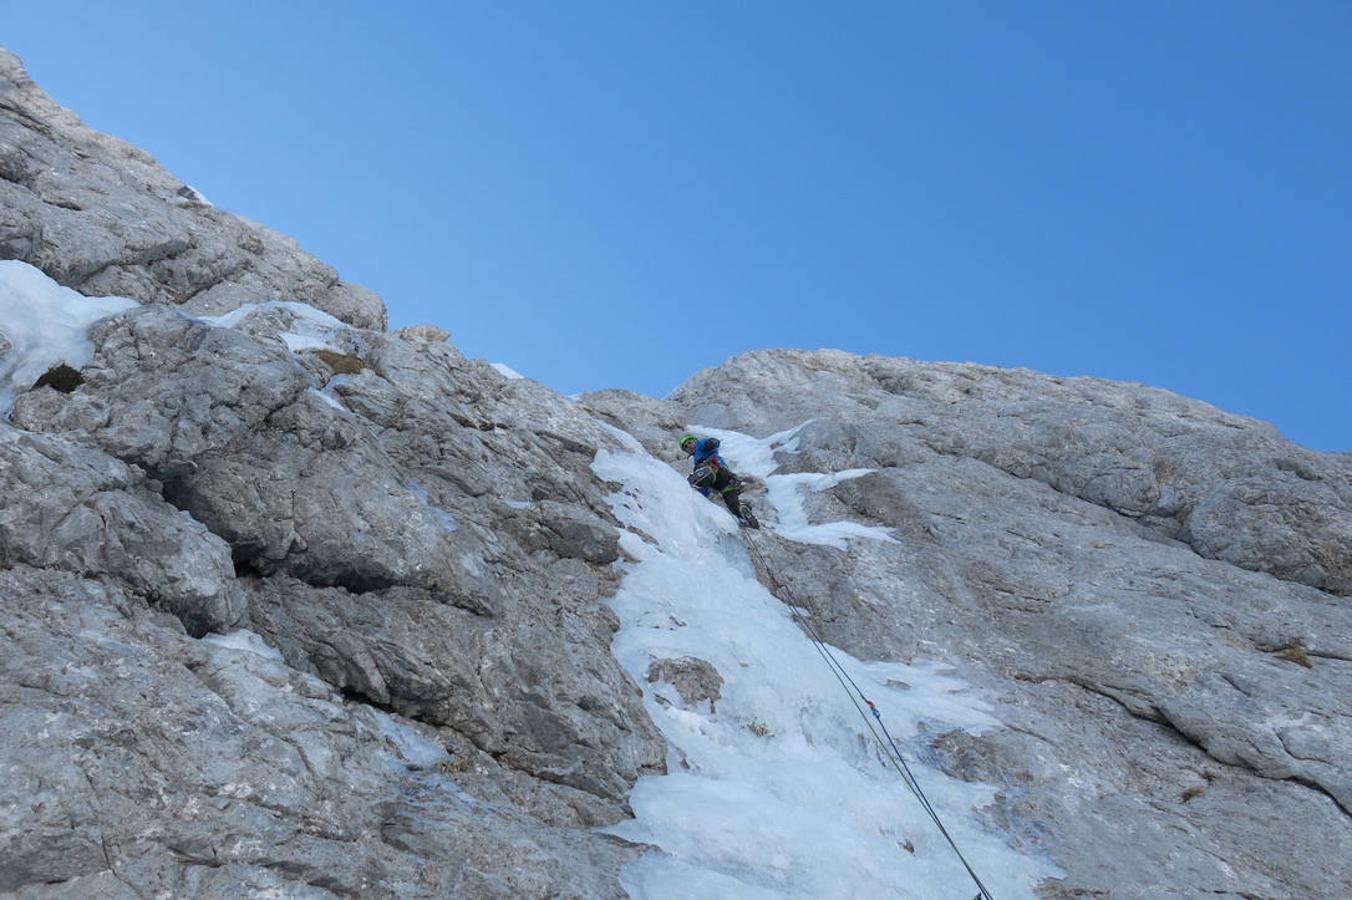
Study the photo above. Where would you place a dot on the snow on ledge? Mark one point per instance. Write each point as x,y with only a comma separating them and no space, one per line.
244,641
43,324
300,310
310,329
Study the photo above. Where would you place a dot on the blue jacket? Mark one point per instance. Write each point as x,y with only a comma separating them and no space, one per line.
706,449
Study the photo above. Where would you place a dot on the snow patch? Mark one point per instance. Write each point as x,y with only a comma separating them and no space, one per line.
302,311
753,456
328,400
310,328
327,392
43,324
785,493
244,641
412,750
190,194
507,371
298,342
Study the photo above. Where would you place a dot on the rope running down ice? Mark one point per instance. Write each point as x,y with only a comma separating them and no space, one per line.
889,748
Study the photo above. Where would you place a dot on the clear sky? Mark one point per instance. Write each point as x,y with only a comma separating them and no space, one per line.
619,194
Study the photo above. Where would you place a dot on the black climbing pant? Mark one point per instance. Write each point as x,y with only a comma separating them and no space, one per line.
730,486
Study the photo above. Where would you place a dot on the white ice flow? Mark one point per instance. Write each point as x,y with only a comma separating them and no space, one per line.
780,792
43,324
756,456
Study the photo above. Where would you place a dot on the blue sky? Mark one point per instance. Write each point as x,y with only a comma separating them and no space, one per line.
619,194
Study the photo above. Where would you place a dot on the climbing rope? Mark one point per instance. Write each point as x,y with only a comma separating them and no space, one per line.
888,747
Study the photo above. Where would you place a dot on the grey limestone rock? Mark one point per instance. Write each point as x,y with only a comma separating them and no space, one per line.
423,333
565,530
309,493
654,423
1230,487
508,688
76,509
1054,540
694,679
140,762
418,470
164,388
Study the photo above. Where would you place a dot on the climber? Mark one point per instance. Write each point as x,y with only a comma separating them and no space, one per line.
712,474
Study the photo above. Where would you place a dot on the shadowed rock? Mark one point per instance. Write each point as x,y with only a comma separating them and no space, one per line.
61,378
78,510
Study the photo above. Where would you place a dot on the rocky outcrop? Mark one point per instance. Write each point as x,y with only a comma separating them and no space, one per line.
415,534
78,510
164,388
452,610
695,679
101,216
503,683
1229,487
1050,542
142,762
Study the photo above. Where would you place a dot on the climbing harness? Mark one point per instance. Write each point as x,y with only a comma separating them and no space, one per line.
702,477
889,747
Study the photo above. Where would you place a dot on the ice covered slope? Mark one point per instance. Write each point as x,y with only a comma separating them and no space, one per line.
774,788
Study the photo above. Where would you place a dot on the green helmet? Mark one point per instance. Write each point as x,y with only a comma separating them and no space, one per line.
685,437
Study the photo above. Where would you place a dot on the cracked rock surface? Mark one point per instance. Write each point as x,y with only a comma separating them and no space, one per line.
419,542
418,534
141,762
1155,590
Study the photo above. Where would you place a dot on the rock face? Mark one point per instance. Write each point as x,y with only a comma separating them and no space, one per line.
425,536
1156,590
1230,488
78,510
412,531
411,554
140,762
